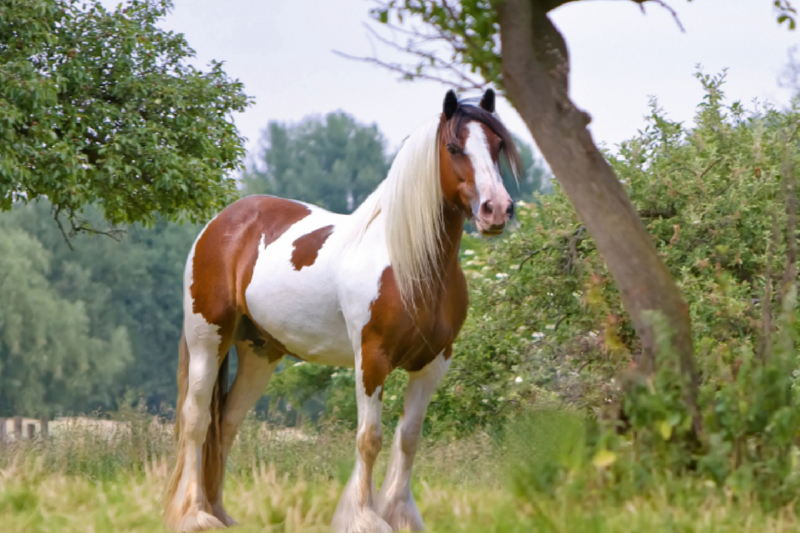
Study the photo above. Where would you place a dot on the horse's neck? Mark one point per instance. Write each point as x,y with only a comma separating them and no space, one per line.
452,229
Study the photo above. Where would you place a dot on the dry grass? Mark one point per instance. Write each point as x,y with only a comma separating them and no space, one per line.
279,481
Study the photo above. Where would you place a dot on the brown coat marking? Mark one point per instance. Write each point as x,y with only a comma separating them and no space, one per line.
395,337
226,253
307,247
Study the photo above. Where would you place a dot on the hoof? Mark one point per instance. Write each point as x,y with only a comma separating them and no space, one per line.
219,511
360,521
403,515
199,521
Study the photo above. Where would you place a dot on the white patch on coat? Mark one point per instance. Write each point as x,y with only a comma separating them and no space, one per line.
318,312
488,181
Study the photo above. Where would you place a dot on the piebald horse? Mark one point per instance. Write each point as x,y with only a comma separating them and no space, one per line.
377,290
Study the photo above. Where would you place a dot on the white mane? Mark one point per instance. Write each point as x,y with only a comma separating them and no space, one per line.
410,199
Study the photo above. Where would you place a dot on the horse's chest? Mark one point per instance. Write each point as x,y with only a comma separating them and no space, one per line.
412,340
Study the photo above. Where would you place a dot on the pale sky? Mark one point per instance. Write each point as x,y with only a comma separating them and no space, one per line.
283,52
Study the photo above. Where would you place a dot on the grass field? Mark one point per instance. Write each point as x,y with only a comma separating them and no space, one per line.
81,482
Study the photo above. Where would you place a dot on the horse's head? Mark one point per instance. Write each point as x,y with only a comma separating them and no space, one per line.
471,142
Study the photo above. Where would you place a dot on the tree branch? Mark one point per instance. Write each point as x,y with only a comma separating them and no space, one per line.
411,75
665,6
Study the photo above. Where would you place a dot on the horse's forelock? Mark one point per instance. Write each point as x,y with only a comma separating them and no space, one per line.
468,113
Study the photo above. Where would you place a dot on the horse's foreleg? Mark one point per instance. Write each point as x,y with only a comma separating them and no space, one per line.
255,367
356,511
396,502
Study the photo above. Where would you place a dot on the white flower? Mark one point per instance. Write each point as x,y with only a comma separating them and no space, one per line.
518,379
537,335
501,275
469,252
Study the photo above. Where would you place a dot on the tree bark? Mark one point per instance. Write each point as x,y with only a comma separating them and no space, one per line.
535,76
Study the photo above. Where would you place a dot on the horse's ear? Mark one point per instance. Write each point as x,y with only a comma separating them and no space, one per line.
487,102
450,104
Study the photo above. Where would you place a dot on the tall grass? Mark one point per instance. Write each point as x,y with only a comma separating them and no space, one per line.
85,479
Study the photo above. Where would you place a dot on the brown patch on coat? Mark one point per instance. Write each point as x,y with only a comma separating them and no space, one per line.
307,247
225,255
396,338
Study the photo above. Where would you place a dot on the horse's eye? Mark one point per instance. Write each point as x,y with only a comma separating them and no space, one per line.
453,149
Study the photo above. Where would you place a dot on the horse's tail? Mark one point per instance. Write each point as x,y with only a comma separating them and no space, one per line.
212,447
213,467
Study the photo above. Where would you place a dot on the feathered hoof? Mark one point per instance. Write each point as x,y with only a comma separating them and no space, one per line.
219,511
403,515
198,521
359,521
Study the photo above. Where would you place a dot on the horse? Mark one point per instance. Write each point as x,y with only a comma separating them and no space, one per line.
376,290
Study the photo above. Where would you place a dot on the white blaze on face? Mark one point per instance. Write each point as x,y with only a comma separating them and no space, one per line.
488,182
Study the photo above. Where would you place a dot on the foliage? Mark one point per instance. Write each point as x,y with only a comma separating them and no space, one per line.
51,359
333,162
134,286
100,107
718,200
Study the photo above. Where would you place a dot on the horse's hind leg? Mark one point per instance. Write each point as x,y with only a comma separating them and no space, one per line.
256,363
396,502
201,352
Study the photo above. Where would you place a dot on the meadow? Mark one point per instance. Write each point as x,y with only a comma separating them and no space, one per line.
84,480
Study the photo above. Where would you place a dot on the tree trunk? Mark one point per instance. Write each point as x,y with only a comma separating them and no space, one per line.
535,76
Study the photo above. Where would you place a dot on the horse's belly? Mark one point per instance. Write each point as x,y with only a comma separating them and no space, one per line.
299,308
310,327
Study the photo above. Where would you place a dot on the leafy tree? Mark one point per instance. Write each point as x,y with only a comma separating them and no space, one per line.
135,284
101,107
50,360
333,162
550,329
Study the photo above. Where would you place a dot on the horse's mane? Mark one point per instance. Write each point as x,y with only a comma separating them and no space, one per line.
410,199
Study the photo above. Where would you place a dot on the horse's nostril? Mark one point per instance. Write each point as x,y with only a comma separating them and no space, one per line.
487,207
510,210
